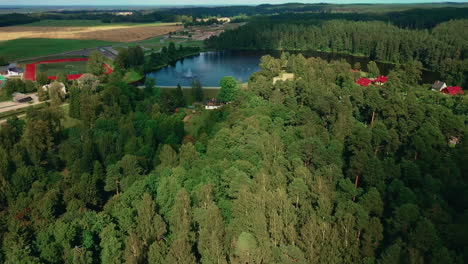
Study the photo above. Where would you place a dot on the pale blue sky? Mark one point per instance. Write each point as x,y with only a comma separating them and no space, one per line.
199,2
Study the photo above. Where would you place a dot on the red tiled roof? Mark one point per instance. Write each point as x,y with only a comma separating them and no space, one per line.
381,79
453,90
364,82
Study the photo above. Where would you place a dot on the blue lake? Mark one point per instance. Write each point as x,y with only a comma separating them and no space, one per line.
210,67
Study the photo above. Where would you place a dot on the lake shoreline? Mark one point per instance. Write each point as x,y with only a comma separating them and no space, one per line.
241,64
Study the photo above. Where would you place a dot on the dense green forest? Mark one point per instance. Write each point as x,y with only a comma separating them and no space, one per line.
443,49
313,170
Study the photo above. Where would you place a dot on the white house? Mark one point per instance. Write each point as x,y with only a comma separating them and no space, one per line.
11,70
439,86
213,104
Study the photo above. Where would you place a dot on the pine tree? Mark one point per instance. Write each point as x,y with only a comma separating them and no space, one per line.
197,91
182,236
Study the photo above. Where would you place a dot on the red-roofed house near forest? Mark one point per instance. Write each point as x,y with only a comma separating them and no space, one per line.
364,81
452,90
381,80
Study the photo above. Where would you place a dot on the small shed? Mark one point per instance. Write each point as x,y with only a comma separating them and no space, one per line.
22,98
439,86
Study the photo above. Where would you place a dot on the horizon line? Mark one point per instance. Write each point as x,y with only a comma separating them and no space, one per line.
195,5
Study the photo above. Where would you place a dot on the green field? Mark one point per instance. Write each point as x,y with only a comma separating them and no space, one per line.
72,67
132,76
28,48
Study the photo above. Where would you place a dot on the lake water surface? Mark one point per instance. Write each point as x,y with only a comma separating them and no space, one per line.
210,67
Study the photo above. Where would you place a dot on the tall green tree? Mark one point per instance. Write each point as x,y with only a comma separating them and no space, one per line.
95,64
197,90
373,69
229,89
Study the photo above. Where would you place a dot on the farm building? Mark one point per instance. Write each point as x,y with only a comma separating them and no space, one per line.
22,98
439,86
452,90
283,77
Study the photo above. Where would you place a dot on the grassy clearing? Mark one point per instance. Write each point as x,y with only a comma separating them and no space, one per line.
28,48
68,121
71,67
151,40
20,111
132,76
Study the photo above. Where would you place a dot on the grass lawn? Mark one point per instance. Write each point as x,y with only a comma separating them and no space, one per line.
132,76
68,121
151,40
53,69
20,111
28,48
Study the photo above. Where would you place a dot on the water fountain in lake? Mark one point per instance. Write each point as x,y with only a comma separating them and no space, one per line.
189,74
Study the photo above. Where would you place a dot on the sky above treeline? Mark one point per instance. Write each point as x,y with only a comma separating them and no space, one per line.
202,2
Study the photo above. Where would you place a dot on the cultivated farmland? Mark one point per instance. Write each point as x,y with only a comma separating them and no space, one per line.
113,32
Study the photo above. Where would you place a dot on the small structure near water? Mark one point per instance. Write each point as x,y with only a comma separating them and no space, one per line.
283,77
213,104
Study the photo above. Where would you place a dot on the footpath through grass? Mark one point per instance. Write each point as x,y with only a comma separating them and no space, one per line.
28,48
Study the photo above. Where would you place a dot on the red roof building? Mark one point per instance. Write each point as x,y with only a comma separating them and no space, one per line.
452,90
381,79
364,81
